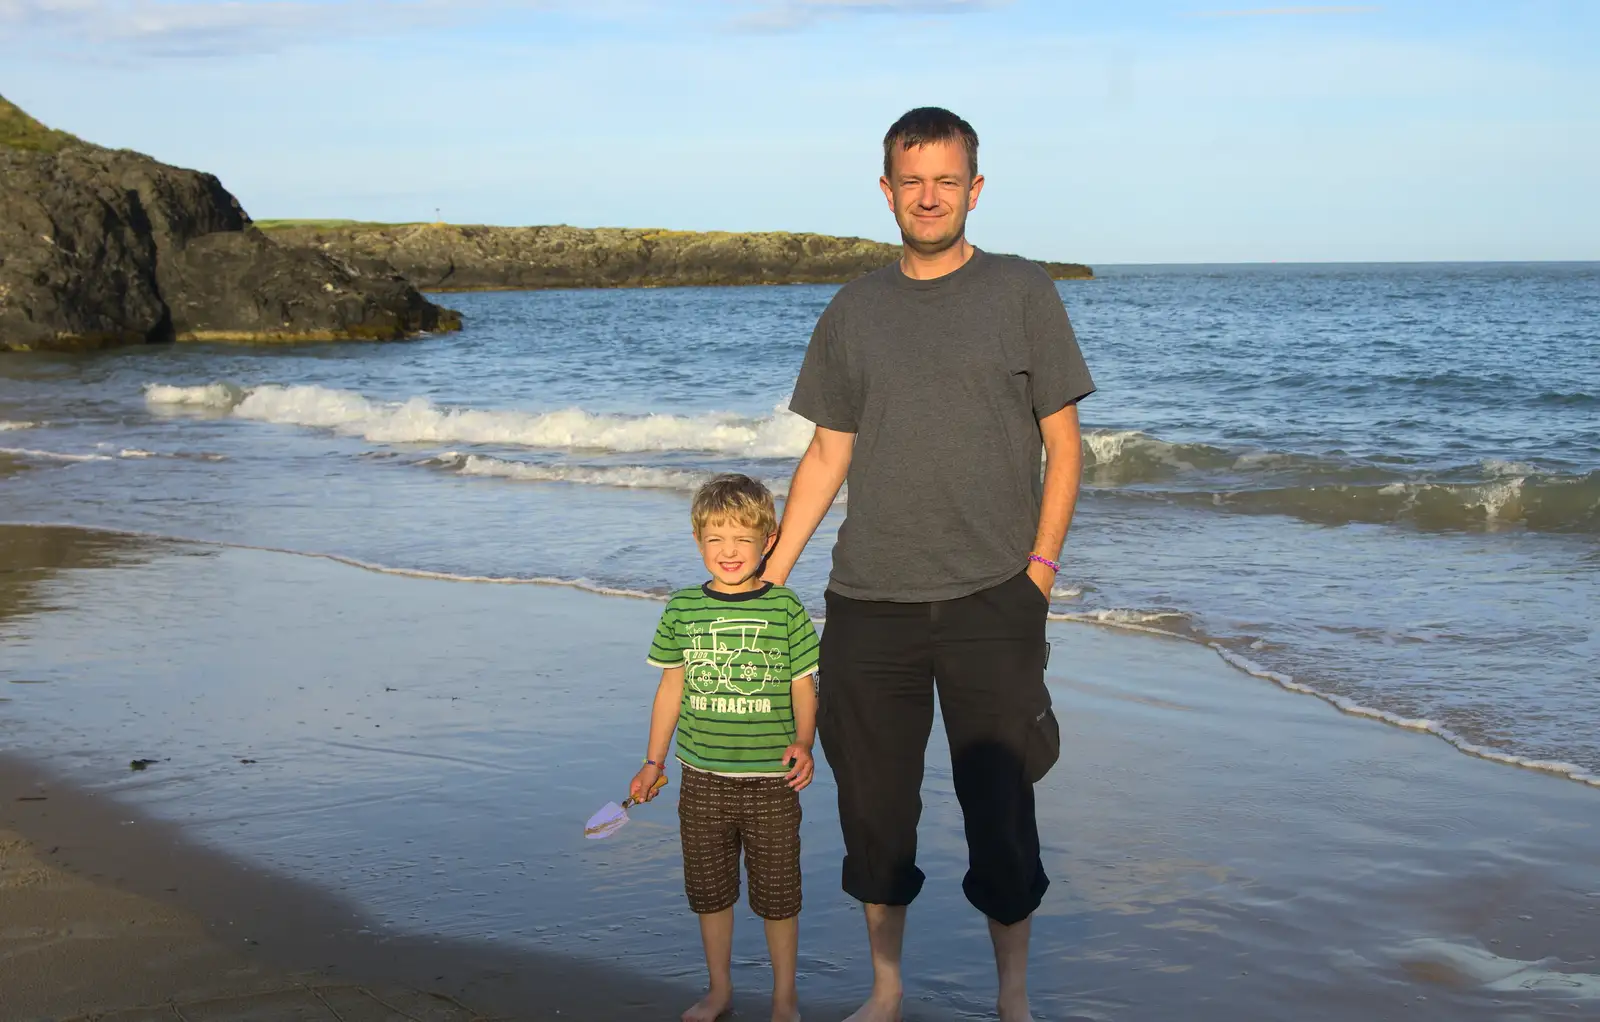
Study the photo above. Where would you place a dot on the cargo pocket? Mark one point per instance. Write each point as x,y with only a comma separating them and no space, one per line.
1043,738
826,738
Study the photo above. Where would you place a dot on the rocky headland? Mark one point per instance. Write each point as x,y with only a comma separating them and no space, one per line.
103,247
451,257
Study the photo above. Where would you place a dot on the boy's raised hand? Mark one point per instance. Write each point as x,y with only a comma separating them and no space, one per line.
801,766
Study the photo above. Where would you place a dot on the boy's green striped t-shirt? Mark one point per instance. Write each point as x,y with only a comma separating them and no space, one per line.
739,652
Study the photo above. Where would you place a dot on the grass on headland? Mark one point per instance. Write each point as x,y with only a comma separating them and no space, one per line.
19,131
328,225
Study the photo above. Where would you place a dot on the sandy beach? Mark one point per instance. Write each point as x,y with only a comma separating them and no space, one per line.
114,916
368,781
80,948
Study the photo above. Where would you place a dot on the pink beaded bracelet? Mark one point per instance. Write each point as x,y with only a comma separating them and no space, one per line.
1047,562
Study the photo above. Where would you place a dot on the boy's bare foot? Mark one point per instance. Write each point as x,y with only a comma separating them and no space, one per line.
710,1007
880,1007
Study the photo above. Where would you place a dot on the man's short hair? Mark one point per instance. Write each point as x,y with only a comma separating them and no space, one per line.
737,499
928,124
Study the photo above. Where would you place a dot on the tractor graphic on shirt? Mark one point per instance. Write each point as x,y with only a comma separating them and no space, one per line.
709,664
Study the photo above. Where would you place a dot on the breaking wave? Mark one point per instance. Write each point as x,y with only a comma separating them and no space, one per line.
28,452
1493,493
138,453
1326,489
627,476
1545,502
1158,622
633,477
418,420
124,454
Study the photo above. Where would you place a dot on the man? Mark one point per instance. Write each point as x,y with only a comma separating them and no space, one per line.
934,383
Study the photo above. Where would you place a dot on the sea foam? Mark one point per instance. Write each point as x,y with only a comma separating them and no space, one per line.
633,477
419,420
1174,624
125,454
1332,490
1344,704
626,476
28,452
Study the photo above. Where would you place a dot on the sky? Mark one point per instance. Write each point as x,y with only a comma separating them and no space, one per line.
1134,132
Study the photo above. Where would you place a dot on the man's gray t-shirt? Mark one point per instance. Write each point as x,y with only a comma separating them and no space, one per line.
943,382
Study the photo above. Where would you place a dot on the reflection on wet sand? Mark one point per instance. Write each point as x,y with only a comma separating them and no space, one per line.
428,751
31,554
109,891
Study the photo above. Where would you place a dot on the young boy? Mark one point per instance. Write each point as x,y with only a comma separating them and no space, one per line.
738,660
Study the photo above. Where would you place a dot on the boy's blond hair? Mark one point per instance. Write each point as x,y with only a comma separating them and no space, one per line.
737,499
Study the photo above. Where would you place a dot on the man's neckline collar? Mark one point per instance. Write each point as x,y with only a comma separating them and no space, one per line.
934,283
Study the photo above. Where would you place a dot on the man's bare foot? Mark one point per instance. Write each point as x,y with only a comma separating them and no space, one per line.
1015,1009
785,1009
880,1007
710,1007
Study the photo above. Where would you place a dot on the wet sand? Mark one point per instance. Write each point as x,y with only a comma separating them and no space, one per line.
422,755
109,914
75,948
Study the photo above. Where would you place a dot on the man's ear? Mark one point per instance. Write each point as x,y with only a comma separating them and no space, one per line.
888,191
972,196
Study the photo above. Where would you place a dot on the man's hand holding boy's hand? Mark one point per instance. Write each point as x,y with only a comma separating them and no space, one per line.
801,766
643,788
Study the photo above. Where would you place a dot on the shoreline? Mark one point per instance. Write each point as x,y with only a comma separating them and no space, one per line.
1234,660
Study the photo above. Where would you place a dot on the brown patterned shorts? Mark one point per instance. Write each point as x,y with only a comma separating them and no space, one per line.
720,815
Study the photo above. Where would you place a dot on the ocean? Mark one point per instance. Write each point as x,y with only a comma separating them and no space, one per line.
1375,484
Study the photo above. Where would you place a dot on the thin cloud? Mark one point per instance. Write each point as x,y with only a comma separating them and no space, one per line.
789,15
192,28
1289,12
212,28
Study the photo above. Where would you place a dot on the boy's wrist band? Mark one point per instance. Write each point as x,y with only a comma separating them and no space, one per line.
1047,562
651,762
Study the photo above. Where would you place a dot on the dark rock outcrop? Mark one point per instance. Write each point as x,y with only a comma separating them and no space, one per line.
447,257
102,247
